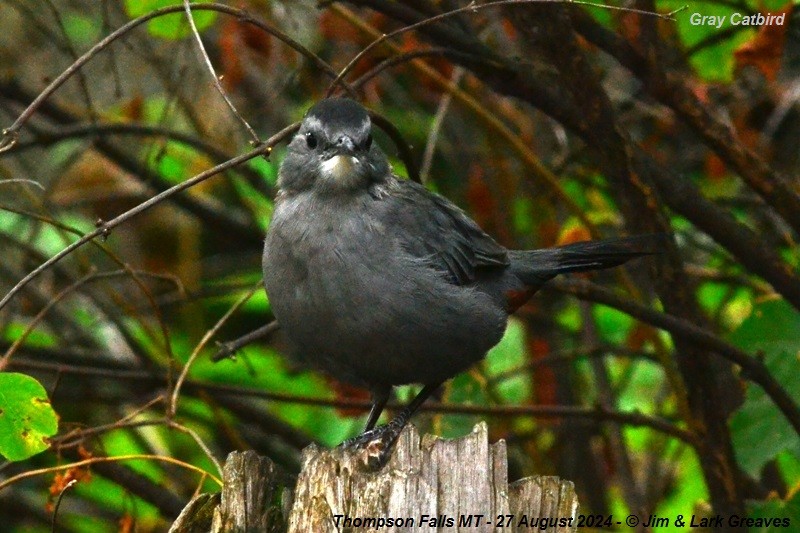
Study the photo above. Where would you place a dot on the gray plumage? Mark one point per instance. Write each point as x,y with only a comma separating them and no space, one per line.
380,282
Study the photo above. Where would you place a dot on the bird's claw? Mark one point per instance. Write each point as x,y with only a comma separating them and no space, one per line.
375,445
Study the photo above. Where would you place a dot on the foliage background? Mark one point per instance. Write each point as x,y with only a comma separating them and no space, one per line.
549,124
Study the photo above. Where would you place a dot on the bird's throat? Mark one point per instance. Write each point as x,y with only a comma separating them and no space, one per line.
339,167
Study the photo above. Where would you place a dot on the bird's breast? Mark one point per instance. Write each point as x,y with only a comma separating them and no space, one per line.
357,305
319,257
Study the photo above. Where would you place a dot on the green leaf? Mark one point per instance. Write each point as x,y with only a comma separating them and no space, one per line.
772,327
260,207
464,389
171,27
523,215
81,30
603,16
510,353
26,417
789,466
714,62
35,339
265,369
687,486
759,431
787,514
612,325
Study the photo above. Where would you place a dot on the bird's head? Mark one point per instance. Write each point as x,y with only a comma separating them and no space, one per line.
333,150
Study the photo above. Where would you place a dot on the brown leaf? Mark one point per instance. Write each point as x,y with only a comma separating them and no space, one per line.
544,378
126,524
715,168
230,58
441,65
84,453
630,26
335,28
639,335
574,234
235,37
348,392
509,29
133,109
765,49
479,197
61,481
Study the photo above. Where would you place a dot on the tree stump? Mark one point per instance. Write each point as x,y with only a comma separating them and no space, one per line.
430,484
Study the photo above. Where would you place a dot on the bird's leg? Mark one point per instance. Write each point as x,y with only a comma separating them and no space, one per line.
379,398
378,442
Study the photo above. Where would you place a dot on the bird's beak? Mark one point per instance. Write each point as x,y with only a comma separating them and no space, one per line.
343,160
344,145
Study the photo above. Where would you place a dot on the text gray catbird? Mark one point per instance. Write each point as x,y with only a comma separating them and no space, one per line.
379,282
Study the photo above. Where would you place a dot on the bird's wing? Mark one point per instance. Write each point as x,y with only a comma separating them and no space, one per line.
434,230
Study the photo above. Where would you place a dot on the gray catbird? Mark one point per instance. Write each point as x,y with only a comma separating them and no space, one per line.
379,282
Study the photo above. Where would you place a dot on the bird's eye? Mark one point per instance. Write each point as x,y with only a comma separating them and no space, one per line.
368,141
311,140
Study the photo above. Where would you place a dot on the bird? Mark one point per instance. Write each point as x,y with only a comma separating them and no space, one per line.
379,282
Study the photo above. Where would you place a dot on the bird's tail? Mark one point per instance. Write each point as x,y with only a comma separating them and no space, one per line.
534,267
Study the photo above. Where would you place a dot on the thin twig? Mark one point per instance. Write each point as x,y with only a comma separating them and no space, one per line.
438,120
568,358
78,435
202,445
173,404
389,62
557,411
229,348
41,314
126,269
10,135
402,146
95,460
159,316
539,170
23,180
474,8
58,502
188,8
82,83
102,130
91,276
753,368
104,228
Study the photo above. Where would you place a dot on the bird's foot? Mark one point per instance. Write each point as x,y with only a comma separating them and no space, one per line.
376,444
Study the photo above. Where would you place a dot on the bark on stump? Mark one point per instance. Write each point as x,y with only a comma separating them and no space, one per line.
443,480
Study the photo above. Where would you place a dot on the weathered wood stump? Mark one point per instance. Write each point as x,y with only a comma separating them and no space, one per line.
428,485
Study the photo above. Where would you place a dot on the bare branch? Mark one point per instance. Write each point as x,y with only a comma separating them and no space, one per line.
104,228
